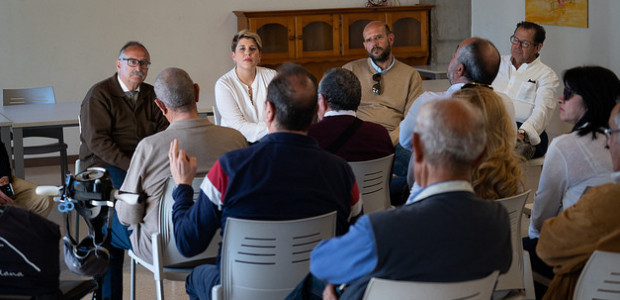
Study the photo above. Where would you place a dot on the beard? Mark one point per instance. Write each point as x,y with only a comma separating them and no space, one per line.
381,57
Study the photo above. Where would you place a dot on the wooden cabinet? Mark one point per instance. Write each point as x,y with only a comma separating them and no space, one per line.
320,39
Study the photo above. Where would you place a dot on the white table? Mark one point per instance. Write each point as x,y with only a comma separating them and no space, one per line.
438,85
60,114
433,71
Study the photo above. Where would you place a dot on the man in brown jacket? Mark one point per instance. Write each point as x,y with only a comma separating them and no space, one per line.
567,241
117,113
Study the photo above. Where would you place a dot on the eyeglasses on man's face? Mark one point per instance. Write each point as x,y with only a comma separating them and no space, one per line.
132,62
608,132
376,88
525,44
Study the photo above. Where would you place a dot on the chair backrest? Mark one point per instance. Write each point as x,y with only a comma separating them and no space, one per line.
600,278
380,289
267,259
170,254
373,180
513,279
42,95
216,115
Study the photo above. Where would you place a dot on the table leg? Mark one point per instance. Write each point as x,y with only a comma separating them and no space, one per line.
18,148
6,139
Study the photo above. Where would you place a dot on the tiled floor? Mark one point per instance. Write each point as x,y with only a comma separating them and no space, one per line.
145,284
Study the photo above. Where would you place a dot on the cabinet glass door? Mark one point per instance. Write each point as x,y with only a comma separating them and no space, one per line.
318,35
277,35
410,31
353,29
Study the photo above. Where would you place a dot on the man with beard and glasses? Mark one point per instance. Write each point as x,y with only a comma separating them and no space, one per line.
117,113
389,87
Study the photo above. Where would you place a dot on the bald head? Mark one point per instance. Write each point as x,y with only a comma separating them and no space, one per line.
293,94
175,89
452,133
480,59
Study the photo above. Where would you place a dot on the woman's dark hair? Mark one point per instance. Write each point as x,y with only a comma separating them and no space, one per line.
599,88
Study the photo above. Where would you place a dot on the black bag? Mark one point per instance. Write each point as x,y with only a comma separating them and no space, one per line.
29,253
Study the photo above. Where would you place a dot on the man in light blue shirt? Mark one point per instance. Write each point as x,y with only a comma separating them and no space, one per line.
475,61
434,238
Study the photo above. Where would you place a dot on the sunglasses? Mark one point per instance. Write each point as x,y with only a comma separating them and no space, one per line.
567,93
376,88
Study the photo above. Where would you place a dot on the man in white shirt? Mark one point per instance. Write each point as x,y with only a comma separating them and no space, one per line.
530,84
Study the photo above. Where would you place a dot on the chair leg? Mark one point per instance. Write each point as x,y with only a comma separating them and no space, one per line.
160,289
64,169
133,279
528,279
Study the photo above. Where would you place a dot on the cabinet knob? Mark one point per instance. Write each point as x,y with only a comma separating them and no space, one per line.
291,37
300,37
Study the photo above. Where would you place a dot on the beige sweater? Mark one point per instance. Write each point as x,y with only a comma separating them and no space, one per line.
400,86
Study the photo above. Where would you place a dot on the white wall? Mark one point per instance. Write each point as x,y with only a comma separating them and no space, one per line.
565,47
71,44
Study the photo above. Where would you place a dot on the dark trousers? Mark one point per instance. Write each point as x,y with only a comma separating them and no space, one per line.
541,148
399,190
201,280
119,242
538,266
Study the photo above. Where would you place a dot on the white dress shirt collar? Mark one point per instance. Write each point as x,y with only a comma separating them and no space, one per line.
123,86
441,187
378,69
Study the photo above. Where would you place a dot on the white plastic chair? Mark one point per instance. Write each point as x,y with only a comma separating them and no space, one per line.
381,289
267,259
519,276
168,263
43,95
600,278
373,180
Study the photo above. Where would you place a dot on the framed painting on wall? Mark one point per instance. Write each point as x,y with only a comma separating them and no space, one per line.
572,13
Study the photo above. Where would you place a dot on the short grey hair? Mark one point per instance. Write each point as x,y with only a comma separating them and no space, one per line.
452,132
131,44
175,88
481,60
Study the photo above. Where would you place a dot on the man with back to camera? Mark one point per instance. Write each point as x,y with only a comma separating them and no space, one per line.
285,176
475,61
339,131
434,237
133,225
117,113
530,84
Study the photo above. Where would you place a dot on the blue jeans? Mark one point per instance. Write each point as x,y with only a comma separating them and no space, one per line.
117,175
112,287
201,280
399,190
